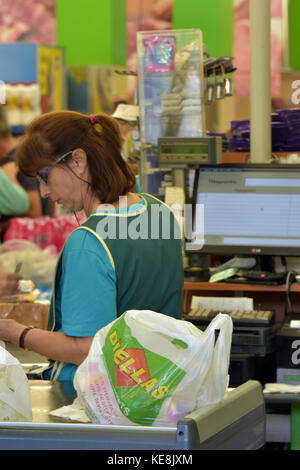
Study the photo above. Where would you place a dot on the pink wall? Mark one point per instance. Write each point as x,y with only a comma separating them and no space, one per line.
145,15
242,47
28,21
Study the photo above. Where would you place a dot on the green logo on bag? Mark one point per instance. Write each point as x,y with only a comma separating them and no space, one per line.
141,379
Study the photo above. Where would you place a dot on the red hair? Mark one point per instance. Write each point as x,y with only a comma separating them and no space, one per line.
53,134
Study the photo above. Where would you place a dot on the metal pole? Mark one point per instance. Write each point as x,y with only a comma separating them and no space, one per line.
260,81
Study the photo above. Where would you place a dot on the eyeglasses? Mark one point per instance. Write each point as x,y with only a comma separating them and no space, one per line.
42,176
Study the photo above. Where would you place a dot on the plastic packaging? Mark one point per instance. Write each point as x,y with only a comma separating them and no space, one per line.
15,398
38,265
45,231
159,53
146,368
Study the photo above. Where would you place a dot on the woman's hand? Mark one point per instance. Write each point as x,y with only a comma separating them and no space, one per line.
9,283
10,330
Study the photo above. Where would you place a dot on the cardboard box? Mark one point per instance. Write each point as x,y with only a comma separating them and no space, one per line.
27,313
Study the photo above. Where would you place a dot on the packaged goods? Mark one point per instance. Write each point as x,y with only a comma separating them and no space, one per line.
26,286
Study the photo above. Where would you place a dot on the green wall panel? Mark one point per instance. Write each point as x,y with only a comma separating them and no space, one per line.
294,33
92,31
213,17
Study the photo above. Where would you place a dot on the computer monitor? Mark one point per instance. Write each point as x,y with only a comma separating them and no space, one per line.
246,209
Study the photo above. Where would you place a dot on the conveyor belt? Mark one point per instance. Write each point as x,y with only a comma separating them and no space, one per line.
238,422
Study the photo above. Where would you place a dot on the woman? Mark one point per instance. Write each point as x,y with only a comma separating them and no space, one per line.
121,258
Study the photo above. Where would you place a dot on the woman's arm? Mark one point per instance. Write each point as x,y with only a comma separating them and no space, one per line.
27,184
87,302
55,345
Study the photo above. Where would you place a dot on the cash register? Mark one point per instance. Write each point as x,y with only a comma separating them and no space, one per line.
246,211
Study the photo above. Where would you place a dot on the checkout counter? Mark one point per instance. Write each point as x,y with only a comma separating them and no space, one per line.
238,422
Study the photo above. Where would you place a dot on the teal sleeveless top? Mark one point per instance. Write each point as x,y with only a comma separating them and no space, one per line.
144,247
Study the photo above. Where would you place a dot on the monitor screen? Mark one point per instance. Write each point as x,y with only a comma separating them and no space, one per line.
246,209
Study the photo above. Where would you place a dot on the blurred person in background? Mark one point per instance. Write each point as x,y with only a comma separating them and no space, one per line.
8,147
13,198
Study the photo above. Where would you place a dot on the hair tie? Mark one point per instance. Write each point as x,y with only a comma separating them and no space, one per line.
92,119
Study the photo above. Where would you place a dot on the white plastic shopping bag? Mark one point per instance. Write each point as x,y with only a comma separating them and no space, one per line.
146,368
15,398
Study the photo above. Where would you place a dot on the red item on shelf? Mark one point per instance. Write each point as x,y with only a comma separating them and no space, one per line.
44,231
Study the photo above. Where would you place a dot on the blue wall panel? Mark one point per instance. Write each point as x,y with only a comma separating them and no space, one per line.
18,62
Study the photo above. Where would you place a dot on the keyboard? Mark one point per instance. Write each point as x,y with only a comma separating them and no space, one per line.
254,318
